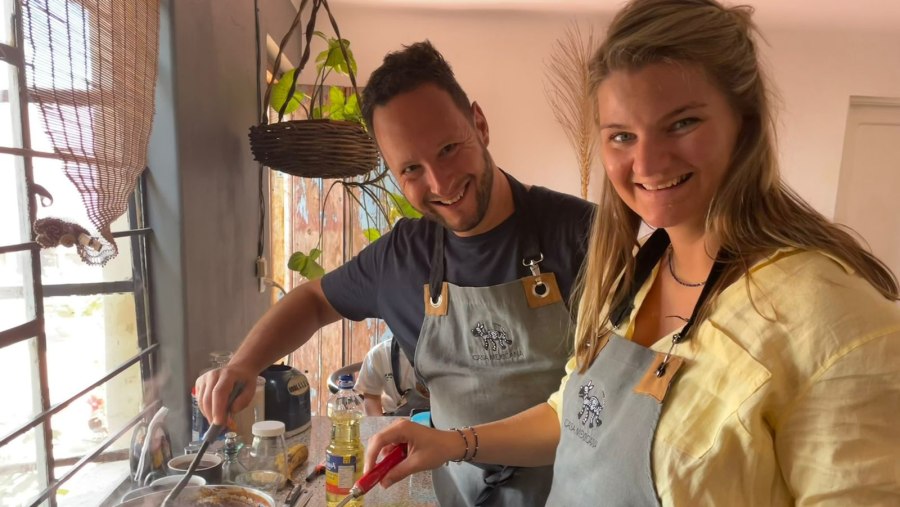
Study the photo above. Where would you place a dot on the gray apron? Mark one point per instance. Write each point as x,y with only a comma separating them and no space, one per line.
486,353
610,413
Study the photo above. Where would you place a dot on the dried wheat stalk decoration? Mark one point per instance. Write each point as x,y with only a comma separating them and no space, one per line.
566,87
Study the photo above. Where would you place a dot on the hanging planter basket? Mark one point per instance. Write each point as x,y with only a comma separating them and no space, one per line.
313,148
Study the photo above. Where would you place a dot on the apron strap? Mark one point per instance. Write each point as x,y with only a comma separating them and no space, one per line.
714,274
494,477
525,224
525,228
436,277
647,257
395,364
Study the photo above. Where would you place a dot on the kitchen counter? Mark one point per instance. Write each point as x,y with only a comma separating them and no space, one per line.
415,490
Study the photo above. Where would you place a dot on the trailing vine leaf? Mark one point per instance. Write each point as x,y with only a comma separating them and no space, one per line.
332,58
372,234
306,264
403,207
352,112
343,108
280,91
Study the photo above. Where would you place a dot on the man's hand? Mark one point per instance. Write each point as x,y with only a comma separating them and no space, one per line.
214,386
284,328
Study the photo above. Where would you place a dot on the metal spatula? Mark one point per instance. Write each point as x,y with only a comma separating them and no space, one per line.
213,433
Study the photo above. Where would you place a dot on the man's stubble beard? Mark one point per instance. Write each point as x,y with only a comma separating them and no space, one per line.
482,198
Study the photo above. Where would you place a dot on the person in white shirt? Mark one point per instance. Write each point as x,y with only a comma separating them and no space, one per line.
383,389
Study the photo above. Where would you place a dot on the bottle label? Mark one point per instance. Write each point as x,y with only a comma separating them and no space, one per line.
340,473
199,424
298,385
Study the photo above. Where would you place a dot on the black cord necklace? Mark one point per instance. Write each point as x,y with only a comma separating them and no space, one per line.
679,280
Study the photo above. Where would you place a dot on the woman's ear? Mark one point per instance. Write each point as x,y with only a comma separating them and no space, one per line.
480,124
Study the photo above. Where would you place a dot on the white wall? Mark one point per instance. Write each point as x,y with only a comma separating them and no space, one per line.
498,59
499,56
202,179
816,72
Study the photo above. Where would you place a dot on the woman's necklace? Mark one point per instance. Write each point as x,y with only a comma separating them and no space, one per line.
679,280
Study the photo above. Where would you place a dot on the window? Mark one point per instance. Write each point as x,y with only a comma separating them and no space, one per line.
302,219
76,350
309,213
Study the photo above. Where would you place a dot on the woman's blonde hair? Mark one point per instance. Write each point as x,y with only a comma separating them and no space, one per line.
753,212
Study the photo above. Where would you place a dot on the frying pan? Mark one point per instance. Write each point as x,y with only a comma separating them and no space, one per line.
207,496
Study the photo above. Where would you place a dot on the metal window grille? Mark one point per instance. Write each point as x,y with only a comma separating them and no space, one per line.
36,293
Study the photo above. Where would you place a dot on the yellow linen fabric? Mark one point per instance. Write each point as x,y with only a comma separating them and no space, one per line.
793,401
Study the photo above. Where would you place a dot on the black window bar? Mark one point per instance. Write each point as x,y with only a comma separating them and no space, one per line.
34,292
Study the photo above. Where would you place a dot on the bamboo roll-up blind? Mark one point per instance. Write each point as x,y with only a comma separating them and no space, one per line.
91,67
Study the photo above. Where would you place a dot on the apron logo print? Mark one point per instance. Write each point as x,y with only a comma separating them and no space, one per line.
590,406
492,339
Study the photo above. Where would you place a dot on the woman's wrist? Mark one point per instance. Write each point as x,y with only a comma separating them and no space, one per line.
468,439
461,439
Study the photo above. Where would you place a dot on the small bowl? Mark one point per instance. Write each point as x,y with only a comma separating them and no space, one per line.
170,481
210,467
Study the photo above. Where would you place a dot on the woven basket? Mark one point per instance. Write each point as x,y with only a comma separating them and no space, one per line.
315,148
318,148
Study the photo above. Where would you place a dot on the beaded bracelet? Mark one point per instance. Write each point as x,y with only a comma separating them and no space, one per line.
466,440
475,434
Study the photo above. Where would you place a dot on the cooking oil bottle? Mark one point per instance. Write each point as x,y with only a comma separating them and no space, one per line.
344,455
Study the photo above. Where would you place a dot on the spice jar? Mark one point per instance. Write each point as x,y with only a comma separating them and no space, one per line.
232,468
266,463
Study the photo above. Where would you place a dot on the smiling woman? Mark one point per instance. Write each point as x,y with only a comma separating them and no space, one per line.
666,153
771,356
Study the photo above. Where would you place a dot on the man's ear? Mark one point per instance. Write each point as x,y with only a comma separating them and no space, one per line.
481,124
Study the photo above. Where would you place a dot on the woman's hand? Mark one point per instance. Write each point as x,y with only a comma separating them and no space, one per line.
428,448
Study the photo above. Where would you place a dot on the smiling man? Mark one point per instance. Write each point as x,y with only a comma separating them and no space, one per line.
475,292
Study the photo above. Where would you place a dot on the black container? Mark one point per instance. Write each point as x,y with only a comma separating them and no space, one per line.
287,398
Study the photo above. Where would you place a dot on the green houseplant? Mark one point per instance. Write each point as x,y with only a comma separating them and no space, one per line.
374,193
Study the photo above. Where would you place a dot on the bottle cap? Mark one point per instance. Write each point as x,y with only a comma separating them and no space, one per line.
268,428
345,381
220,357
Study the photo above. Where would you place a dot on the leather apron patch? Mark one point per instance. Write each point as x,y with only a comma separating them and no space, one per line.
541,290
654,386
437,308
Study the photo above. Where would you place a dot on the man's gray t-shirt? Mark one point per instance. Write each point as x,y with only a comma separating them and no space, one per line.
386,279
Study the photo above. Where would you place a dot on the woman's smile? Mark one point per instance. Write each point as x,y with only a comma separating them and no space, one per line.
665,185
667,136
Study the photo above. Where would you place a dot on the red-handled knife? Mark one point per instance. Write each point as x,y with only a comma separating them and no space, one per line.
374,476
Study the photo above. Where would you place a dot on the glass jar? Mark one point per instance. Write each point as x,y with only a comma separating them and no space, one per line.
232,468
266,463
